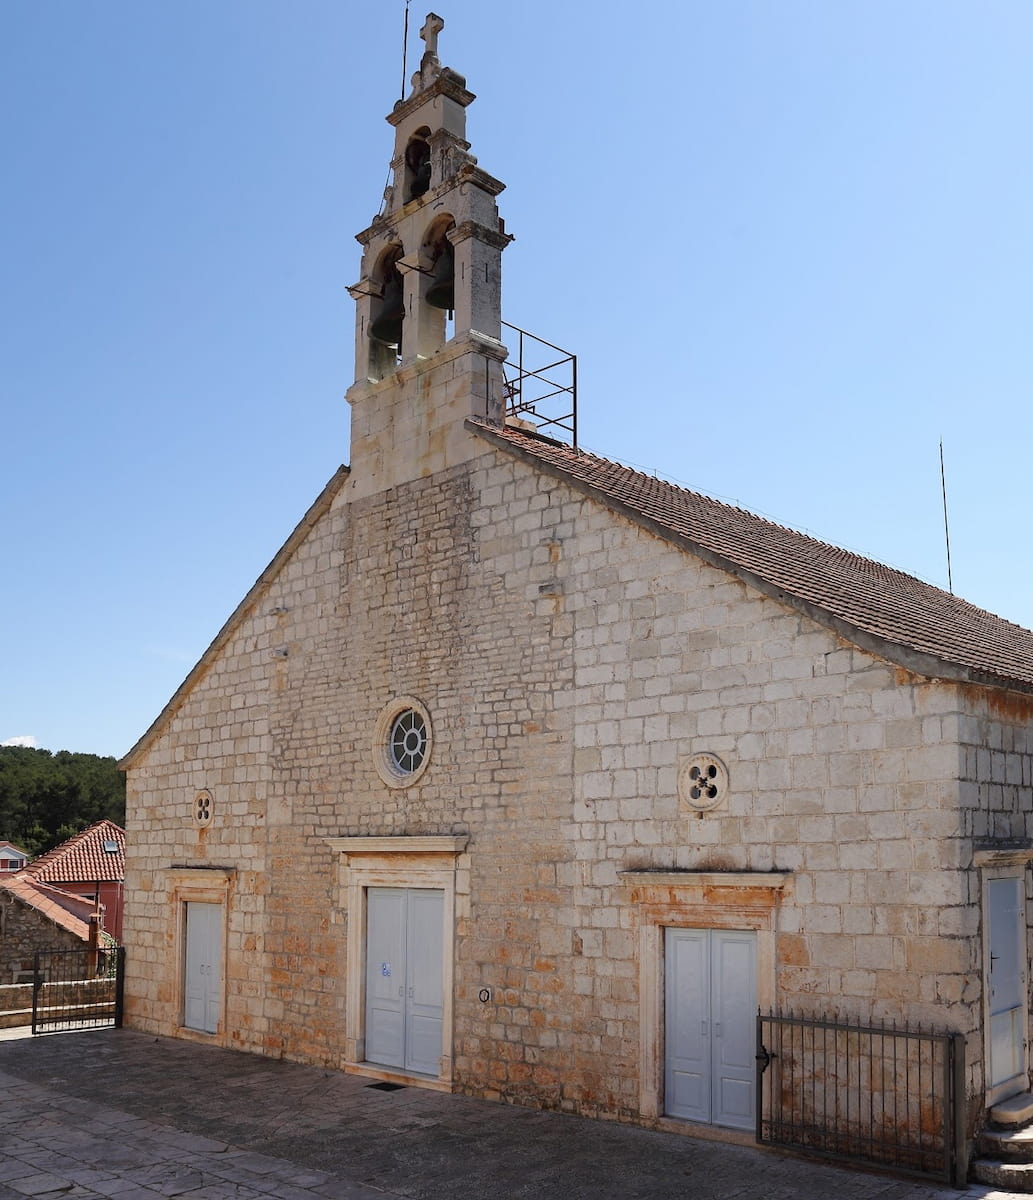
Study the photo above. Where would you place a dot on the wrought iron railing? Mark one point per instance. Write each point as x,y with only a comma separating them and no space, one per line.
877,1094
541,388
77,989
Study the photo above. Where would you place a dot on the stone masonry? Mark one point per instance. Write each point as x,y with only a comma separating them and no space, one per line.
570,662
572,656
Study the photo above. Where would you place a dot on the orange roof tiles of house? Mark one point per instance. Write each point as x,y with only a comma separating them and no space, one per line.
83,858
894,615
50,902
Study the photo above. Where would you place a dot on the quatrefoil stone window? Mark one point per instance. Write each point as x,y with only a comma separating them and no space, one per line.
203,808
702,782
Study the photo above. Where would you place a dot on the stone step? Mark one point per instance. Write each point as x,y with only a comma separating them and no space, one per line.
1011,1145
1014,1111
1008,1176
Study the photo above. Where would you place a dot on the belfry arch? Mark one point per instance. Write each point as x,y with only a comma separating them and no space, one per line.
387,314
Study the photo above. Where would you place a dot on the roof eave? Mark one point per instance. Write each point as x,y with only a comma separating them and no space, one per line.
918,662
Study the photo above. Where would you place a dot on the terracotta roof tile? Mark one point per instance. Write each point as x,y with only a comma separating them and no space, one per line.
83,859
57,906
874,605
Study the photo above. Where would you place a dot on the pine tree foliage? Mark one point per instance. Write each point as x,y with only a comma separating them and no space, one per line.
46,797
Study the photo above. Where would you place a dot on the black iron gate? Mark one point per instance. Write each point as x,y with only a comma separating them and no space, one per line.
877,1094
77,989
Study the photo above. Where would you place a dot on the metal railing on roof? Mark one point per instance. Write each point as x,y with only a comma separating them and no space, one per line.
540,388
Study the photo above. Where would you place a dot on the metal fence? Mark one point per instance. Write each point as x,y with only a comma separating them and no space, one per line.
877,1094
77,989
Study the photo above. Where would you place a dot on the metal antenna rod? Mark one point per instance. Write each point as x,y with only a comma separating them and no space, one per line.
946,526
405,47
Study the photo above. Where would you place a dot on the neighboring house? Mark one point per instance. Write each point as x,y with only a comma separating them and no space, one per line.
35,916
524,774
91,864
11,857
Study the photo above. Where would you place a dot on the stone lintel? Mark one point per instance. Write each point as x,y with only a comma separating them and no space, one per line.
444,844
376,227
1015,854
365,287
473,229
482,343
446,84
470,173
442,136
417,261
201,872
472,342
771,880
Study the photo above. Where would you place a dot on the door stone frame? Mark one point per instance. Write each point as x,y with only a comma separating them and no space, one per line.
1004,863
199,885
437,863
735,900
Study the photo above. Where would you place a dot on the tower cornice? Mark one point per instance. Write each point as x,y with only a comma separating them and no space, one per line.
449,83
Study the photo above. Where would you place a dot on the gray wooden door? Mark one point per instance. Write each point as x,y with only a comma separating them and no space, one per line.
710,995
1006,976
404,978
202,967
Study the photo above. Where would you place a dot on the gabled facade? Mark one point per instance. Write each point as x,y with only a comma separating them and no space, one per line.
92,865
523,774
12,858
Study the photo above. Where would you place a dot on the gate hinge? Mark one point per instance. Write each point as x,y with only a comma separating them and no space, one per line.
764,1057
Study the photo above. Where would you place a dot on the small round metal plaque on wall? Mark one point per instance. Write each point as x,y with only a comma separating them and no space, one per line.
702,782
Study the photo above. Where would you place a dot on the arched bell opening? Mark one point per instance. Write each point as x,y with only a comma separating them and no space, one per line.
438,285
387,316
417,165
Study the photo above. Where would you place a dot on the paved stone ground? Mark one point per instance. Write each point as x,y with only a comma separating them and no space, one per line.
118,1113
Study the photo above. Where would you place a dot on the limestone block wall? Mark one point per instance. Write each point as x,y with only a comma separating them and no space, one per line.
218,740
996,736
844,772
996,740
23,931
570,663
415,613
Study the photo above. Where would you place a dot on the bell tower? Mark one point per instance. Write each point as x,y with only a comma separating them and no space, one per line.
428,307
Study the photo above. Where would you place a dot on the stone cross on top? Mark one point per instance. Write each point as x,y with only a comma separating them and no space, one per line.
431,28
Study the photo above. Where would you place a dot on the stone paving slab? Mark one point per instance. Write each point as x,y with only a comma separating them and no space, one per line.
122,1114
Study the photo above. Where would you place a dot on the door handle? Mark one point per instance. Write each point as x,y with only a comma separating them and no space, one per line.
703,1028
717,1029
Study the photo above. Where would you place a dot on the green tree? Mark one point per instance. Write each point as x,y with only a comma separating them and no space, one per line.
45,797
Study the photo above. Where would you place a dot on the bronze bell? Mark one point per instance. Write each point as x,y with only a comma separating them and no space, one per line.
417,158
387,326
442,290
421,180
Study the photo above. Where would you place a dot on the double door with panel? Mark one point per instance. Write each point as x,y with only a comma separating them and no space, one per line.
404,978
710,1001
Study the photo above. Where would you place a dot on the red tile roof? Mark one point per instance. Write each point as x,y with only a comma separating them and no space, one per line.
59,907
876,607
83,859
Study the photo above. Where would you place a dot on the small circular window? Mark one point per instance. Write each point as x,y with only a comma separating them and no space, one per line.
408,741
702,782
402,742
203,806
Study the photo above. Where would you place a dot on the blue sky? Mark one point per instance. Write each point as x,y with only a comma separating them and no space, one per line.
791,243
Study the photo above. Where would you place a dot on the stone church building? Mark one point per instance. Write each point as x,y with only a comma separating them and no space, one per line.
523,774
